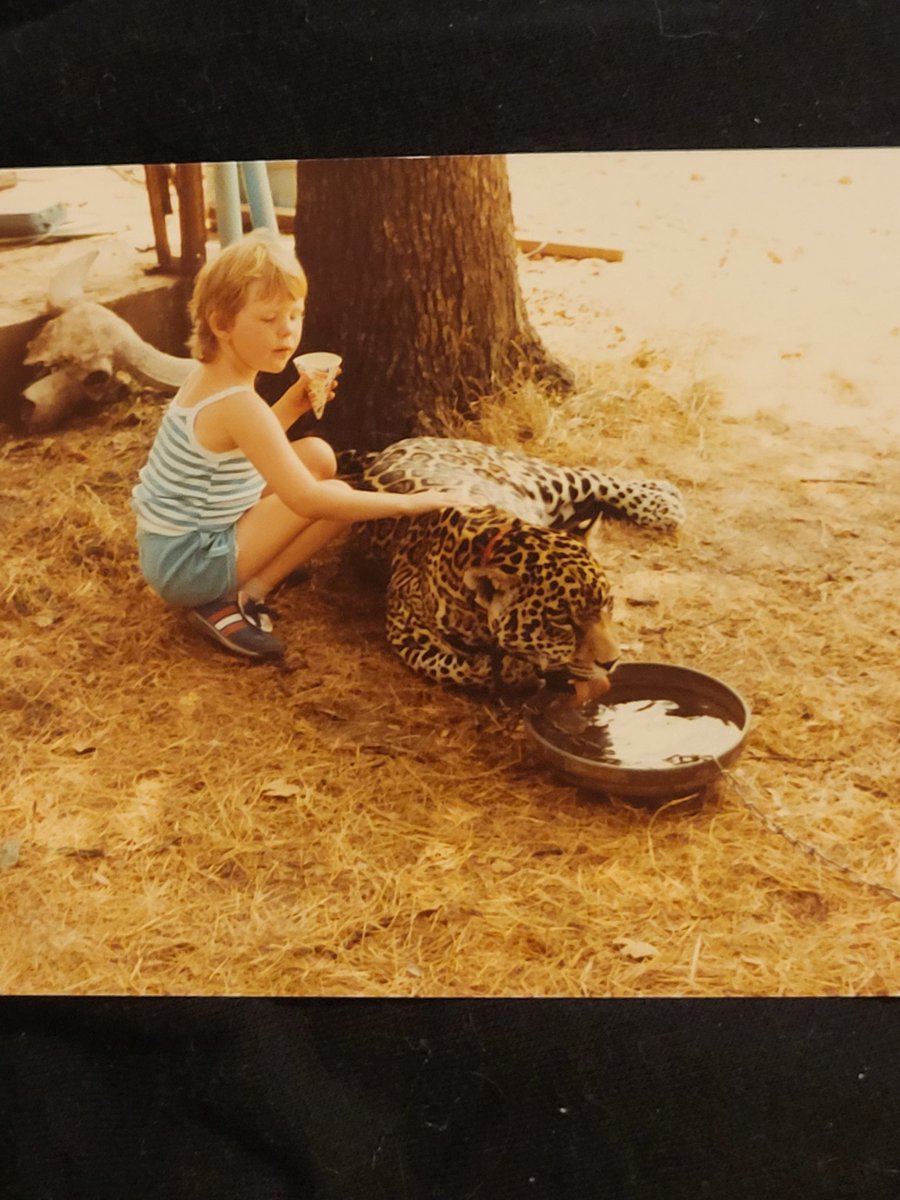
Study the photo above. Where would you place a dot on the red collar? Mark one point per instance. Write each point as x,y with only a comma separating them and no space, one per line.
489,548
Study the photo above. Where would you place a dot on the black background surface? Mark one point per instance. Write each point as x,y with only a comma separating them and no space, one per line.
262,1099
317,1099
101,80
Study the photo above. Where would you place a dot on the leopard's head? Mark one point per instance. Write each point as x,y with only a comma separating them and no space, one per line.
545,599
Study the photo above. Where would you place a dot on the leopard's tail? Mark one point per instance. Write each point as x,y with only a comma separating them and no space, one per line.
591,494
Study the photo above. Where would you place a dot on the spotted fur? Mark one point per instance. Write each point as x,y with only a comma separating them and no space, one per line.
505,593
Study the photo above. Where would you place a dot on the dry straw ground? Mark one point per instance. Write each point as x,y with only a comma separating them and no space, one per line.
173,821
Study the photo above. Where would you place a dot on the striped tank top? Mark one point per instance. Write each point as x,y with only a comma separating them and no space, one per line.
183,486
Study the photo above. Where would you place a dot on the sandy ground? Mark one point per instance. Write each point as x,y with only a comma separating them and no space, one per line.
106,210
773,274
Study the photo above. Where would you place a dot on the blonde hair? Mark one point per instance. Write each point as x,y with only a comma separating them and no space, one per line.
222,285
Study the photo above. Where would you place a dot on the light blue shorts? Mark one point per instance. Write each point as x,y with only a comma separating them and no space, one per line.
191,568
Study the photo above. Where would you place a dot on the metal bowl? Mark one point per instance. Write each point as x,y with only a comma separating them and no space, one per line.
560,732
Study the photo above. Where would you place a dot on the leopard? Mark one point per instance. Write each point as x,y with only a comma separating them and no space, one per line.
504,594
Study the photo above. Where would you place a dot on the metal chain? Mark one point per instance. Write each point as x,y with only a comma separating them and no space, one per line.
808,848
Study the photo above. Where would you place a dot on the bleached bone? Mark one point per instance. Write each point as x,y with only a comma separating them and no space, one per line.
54,397
67,285
87,331
83,348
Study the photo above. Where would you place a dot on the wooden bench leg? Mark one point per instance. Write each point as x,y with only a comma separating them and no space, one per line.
157,179
192,217
188,182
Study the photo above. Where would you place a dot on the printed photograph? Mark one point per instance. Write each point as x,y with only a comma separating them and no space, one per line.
452,576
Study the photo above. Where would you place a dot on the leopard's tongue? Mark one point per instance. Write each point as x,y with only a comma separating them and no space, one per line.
591,689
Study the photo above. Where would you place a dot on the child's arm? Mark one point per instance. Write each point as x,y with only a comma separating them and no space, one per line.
293,403
256,431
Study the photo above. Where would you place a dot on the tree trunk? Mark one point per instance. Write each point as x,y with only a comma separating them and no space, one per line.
413,279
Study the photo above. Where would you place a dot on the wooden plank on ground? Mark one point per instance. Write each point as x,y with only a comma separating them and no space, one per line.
537,249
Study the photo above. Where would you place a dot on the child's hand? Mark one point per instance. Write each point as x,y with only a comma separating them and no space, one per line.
434,498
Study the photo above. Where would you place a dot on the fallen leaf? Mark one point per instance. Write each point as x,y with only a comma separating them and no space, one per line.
188,703
630,948
280,789
9,853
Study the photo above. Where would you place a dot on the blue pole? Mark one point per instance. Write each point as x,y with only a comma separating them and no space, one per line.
228,202
259,196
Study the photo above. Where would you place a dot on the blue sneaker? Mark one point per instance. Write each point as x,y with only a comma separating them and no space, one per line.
238,626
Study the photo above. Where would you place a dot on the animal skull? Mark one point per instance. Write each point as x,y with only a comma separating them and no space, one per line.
82,349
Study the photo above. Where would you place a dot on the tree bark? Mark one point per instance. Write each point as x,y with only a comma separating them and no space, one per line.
413,279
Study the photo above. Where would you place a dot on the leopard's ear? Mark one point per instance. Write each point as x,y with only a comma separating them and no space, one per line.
487,583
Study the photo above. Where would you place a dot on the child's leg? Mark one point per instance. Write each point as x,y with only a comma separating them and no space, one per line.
272,540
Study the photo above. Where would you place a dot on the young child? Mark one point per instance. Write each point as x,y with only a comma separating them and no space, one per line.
226,506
